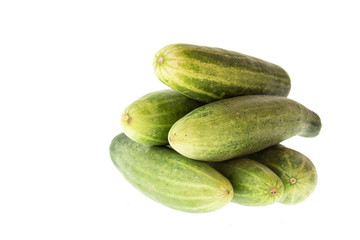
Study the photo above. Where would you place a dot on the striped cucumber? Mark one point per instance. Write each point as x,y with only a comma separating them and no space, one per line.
149,119
296,171
170,178
237,126
254,184
208,74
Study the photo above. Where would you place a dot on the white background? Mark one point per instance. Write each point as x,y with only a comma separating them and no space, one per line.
69,68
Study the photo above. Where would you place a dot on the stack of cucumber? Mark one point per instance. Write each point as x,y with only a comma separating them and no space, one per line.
215,136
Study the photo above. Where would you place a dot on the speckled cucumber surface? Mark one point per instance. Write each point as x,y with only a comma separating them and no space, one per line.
208,74
149,119
241,125
214,137
254,184
296,171
170,178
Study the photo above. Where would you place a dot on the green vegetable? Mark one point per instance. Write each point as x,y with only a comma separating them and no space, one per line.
208,74
169,178
254,184
149,119
296,171
237,126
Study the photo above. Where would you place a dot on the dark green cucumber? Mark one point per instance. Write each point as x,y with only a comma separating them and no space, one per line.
208,74
254,184
237,126
149,119
296,171
170,178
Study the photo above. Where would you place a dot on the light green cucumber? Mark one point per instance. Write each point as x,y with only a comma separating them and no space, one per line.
296,171
170,178
149,119
237,126
208,74
254,184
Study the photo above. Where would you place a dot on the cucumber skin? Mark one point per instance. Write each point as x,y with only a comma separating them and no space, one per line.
287,164
149,119
209,74
169,178
242,125
251,180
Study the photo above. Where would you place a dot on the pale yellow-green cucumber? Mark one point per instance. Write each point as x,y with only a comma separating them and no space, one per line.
170,178
149,119
241,125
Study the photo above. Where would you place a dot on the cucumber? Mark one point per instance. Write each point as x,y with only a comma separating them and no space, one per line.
237,126
296,171
208,74
170,178
254,184
149,119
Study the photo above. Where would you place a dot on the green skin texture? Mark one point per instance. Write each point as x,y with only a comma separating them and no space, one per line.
289,164
252,181
170,178
149,119
242,125
208,74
